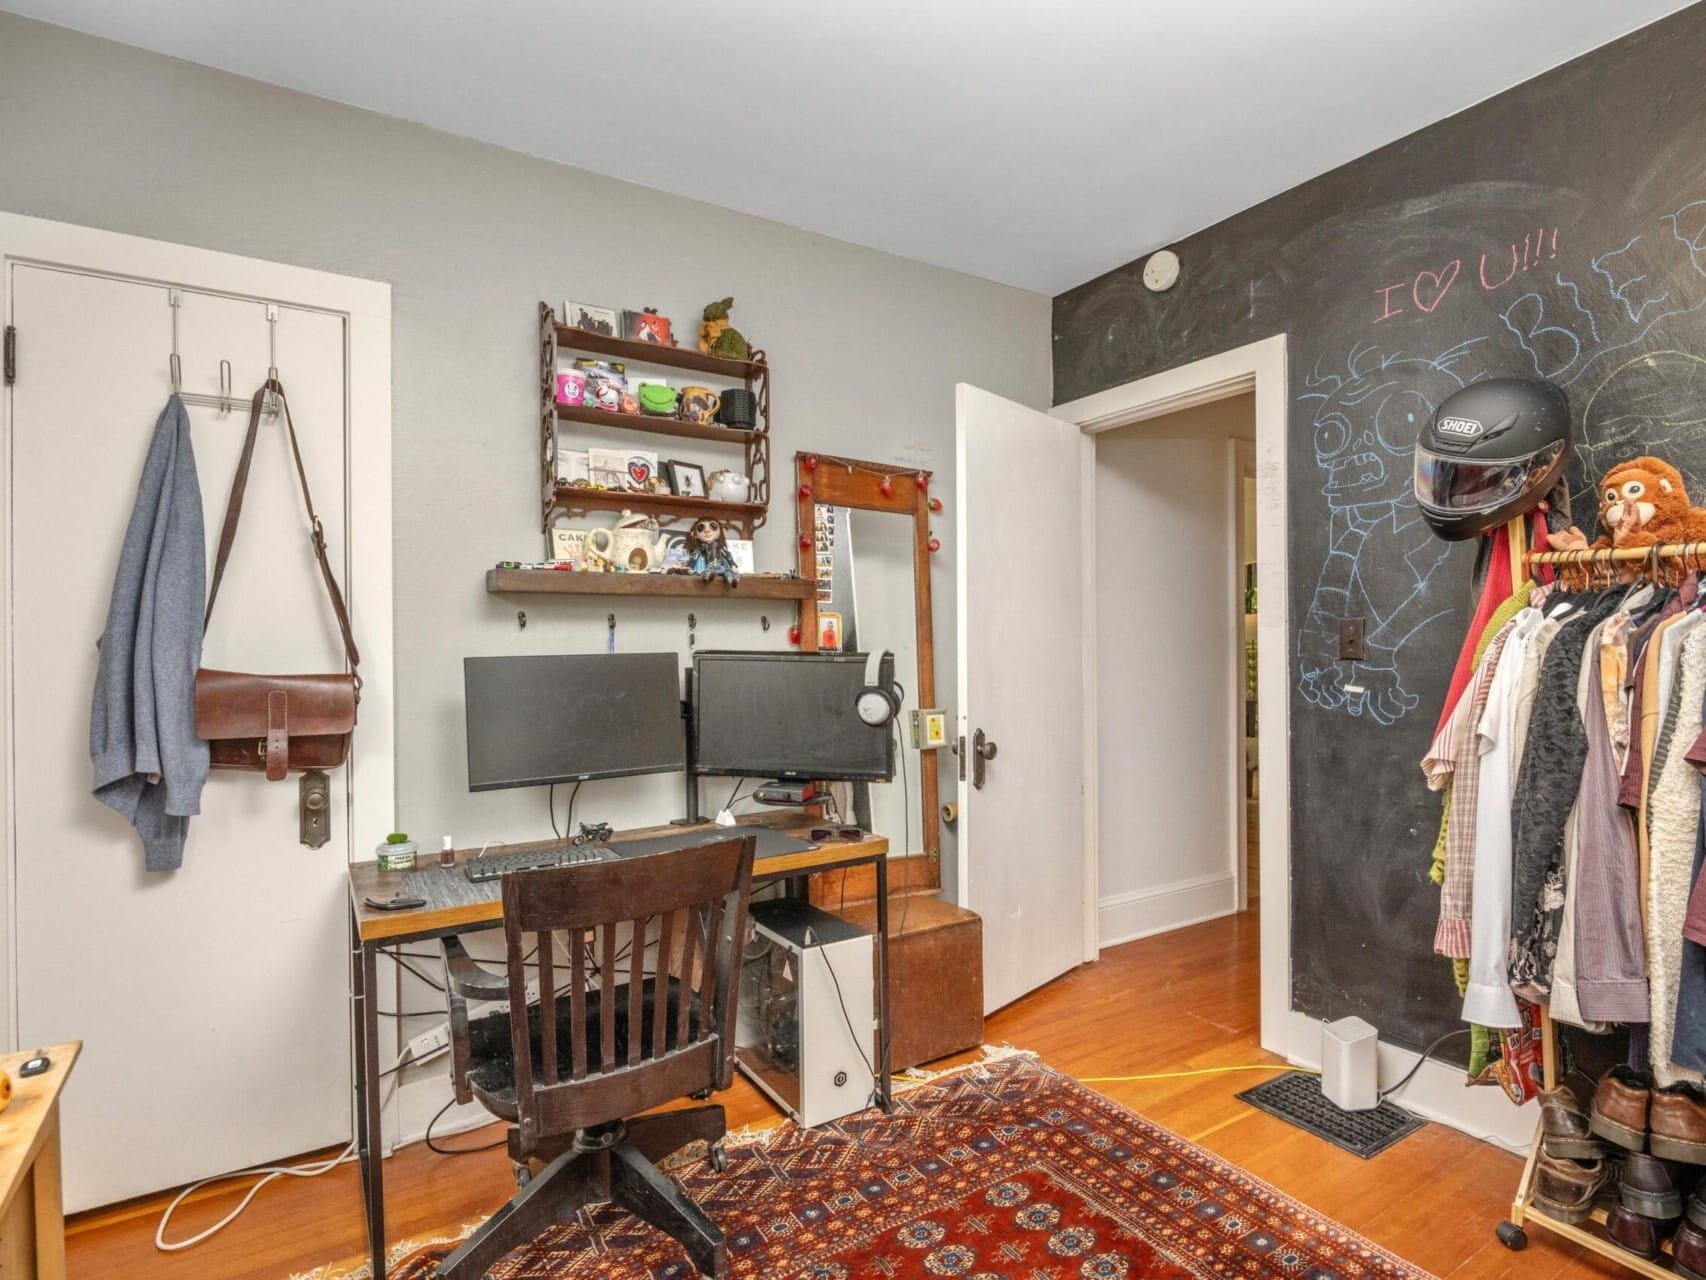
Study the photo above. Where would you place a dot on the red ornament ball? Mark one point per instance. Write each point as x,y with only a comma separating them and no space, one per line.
935,545
935,504
805,542
886,488
923,481
810,461
794,636
805,492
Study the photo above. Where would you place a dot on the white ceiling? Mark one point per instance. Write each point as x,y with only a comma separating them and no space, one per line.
1034,144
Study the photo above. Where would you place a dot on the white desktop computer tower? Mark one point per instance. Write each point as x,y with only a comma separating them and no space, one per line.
806,1032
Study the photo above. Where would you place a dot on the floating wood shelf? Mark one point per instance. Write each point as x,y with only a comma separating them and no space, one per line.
655,424
667,507
560,582
627,350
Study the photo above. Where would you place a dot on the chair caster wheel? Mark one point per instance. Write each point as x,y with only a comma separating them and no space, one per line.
1511,1236
523,1172
719,1158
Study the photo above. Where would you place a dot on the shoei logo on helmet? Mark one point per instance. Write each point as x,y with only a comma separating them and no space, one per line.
1461,428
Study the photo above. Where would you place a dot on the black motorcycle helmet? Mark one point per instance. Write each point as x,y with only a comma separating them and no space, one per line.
1492,453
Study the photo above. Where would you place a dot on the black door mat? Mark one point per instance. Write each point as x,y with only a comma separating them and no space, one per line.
1296,1098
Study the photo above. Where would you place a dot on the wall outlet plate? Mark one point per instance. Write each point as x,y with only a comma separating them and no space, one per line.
1353,645
429,1044
929,729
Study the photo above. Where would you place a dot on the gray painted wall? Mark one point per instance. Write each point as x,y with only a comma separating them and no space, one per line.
866,347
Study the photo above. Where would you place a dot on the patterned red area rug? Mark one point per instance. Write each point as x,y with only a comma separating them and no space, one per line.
1002,1171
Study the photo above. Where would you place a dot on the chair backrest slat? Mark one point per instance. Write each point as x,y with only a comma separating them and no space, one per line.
689,935
607,1000
577,1003
637,990
693,893
660,984
542,943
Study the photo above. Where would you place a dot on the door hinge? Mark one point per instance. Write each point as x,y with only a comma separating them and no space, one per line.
11,356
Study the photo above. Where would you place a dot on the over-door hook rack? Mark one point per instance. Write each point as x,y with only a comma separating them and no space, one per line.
227,399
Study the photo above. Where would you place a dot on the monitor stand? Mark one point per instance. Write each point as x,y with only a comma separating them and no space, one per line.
691,817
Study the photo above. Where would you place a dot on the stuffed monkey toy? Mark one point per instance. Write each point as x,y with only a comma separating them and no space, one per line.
1642,503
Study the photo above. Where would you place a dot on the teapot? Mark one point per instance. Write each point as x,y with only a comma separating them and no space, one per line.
634,544
728,486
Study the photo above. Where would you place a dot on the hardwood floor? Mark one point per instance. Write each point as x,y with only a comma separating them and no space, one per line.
1178,1002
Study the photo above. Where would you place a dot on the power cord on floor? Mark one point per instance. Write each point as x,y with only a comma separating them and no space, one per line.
1426,1053
266,1173
455,1151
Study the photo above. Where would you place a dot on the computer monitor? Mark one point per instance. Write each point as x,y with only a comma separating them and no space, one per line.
787,715
564,718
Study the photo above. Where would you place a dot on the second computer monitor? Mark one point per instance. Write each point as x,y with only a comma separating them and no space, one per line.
787,715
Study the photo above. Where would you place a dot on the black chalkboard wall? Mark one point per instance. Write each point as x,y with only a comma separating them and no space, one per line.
1560,230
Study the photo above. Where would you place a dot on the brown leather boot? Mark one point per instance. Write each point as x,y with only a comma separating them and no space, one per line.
1619,1111
1688,1251
1565,1189
1677,1120
1564,1126
1650,1187
1641,1236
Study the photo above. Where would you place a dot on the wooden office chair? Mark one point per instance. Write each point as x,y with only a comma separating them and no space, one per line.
569,1072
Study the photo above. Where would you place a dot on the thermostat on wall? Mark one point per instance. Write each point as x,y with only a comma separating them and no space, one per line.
1161,271
929,729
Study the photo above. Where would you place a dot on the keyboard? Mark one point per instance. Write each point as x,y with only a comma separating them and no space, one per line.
495,866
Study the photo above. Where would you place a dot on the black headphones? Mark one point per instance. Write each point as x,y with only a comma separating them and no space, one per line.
877,703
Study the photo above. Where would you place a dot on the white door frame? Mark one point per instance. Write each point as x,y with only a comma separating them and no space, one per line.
1259,367
1437,1091
371,781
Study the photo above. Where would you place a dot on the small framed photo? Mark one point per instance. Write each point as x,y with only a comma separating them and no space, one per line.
740,550
607,468
599,320
647,326
573,467
569,545
829,632
686,479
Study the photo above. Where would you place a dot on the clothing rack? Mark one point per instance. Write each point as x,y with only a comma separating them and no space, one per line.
1511,1233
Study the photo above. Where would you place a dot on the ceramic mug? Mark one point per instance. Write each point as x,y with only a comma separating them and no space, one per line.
699,404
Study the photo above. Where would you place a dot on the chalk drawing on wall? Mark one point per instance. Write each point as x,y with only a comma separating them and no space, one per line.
1599,332
1367,414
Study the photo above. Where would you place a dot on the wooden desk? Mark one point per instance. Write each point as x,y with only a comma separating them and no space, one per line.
32,1213
372,931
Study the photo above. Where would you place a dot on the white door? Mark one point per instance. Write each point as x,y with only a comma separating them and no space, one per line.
211,1000
1022,841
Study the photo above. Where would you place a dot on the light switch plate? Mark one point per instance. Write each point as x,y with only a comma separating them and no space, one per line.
929,729
1353,645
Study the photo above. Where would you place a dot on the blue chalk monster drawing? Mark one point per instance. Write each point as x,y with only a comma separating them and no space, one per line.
1366,419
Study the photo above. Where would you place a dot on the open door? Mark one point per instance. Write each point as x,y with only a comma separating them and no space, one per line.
1022,845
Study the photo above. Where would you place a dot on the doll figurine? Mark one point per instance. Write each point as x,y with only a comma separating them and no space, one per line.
708,553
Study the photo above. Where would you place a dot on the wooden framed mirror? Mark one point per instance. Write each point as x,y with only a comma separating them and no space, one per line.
865,545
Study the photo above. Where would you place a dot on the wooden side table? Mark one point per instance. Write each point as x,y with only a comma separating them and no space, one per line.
32,1213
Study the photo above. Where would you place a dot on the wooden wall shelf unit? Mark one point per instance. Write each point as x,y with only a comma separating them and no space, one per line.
560,582
753,374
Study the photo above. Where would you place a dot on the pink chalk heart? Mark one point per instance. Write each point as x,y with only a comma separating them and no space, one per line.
1441,282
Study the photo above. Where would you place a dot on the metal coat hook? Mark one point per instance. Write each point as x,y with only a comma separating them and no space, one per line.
610,623
521,619
692,631
764,621
225,386
272,341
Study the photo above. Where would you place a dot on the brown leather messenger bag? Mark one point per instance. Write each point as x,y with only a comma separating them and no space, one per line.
273,724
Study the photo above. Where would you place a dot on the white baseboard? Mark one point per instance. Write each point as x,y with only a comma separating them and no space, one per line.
1123,917
1437,1093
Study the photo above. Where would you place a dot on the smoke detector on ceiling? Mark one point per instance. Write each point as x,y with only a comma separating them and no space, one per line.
1161,272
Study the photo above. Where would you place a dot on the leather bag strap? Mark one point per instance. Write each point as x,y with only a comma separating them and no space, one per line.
316,532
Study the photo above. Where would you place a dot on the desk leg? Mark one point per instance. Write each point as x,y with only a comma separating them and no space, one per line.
885,1094
369,1138
49,1204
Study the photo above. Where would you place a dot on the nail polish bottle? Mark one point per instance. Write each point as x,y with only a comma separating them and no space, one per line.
446,855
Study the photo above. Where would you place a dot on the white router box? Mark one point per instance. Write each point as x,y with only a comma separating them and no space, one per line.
1350,1069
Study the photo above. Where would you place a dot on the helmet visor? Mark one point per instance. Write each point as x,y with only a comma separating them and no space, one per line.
1460,484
